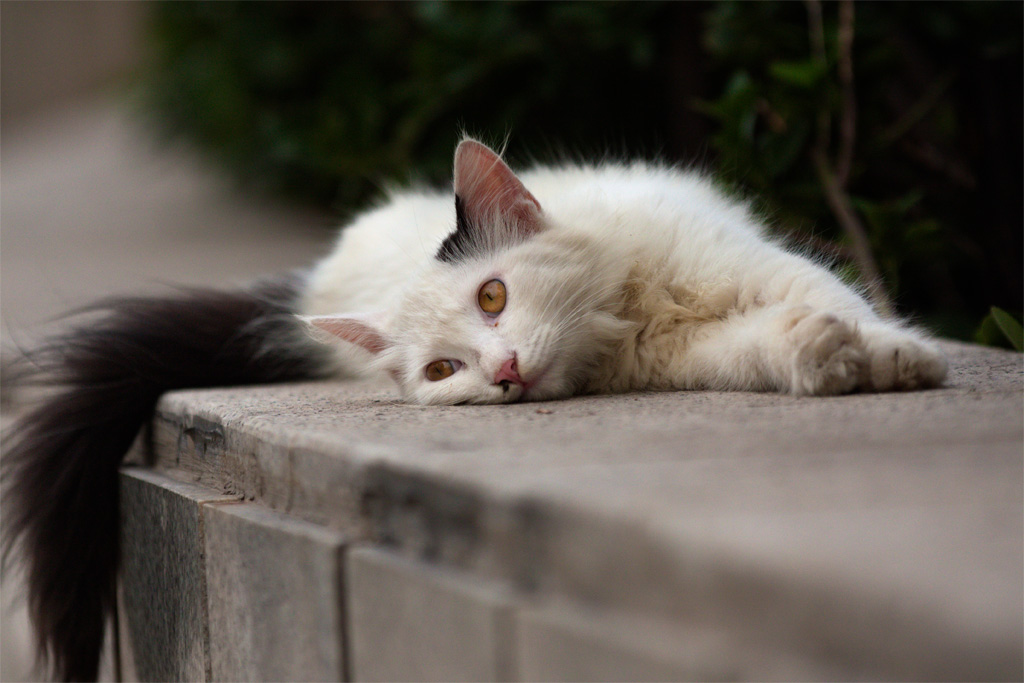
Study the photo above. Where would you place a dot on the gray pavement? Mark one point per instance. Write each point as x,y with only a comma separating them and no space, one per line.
91,205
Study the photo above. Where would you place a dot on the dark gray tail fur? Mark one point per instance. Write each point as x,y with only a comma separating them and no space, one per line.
59,470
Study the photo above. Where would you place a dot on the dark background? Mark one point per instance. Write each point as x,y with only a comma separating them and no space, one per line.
915,112
322,102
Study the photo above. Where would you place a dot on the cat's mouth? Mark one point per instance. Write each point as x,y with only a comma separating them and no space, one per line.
512,392
528,389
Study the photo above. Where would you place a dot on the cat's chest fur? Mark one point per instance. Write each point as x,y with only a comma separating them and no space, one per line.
662,316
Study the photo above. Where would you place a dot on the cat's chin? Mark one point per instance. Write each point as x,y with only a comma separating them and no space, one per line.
546,389
537,391
539,388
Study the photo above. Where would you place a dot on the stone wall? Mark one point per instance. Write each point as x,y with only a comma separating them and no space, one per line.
328,532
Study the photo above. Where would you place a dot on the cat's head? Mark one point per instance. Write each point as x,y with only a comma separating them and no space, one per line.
512,306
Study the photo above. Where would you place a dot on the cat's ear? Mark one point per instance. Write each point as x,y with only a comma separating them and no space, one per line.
488,197
489,190
362,330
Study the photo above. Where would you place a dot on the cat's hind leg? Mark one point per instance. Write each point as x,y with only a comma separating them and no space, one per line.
822,354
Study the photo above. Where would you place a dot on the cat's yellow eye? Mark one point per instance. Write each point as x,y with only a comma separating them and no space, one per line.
440,369
492,297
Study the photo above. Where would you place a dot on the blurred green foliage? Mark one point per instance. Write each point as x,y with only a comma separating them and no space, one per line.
323,102
935,178
999,328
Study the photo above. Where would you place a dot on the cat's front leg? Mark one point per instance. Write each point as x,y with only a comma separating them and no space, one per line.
830,355
792,349
806,351
900,359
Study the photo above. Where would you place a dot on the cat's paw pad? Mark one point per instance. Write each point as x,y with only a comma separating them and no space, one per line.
829,358
899,362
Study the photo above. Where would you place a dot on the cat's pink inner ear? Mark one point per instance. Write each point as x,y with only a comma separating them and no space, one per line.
358,330
490,190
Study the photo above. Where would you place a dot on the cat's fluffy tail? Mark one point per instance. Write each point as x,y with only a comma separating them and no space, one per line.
60,465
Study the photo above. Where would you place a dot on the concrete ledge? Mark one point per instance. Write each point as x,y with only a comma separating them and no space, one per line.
164,584
275,595
414,622
866,536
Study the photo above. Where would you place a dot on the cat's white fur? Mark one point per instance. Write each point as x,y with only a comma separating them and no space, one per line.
628,277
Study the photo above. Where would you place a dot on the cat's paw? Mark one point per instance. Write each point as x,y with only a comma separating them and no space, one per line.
829,355
899,360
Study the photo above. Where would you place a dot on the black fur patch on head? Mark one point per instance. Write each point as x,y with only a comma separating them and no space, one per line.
460,243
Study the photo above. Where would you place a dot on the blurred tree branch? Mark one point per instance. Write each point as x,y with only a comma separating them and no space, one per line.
835,177
848,122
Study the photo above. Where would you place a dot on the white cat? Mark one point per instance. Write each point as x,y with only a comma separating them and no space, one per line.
571,280
611,278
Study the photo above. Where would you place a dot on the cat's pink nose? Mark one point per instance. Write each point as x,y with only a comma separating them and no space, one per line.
509,373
